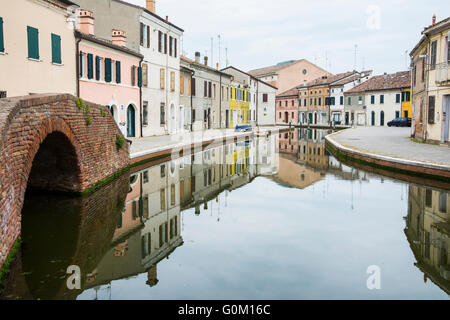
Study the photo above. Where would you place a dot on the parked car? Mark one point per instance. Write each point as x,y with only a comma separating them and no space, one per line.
243,128
400,122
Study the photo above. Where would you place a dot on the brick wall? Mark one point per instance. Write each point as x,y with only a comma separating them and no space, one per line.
89,137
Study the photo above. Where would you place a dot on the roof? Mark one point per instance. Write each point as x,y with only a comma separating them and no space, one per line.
326,80
253,77
201,65
107,43
271,69
398,80
149,12
291,92
357,76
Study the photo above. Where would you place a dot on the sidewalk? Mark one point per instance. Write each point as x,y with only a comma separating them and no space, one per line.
142,147
392,147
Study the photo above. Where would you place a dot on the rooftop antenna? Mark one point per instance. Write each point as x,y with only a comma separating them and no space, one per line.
219,50
406,59
226,56
326,58
212,51
354,64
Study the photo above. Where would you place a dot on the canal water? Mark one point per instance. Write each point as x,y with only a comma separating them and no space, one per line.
277,217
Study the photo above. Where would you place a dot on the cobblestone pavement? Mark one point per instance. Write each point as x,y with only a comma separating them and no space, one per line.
393,142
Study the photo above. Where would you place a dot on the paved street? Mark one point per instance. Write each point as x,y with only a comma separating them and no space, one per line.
393,142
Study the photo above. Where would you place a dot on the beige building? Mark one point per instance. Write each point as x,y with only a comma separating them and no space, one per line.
287,75
37,48
431,83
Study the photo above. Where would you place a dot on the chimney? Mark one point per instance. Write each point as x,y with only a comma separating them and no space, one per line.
86,22
206,60
433,21
151,6
197,57
217,66
167,18
119,38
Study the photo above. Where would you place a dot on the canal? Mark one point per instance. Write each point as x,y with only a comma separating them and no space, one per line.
277,217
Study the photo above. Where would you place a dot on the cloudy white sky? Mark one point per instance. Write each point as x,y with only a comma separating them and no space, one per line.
260,33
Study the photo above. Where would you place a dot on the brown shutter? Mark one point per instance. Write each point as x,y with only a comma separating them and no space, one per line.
165,43
175,49
148,36
193,87
172,81
142,34
431,107
145,74
181,85
162,78
159,41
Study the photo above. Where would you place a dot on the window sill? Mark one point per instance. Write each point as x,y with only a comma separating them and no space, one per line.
35,60
3,53
57,64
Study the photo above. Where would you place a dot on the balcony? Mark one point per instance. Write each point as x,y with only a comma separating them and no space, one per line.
442,74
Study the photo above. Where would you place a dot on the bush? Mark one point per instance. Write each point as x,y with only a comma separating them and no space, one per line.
120,141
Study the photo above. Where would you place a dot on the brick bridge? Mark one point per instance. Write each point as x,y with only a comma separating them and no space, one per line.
52,143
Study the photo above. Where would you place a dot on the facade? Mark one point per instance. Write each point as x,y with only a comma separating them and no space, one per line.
209,92
406,104
252,101
108,74
321,100
287,106
431,83
158,40
286,75
37,48
376,101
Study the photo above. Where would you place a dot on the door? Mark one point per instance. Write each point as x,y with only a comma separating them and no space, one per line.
310,118
373,118
346,119
131,118
445,118
227,121
286,117
382,118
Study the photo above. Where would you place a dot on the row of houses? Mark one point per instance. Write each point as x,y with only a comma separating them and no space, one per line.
128,58
350,98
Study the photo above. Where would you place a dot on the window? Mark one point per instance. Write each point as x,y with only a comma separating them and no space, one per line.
175,48
33,43
56,49
2,94
160,39
145,74
145,177
428,198
193,87
433,55
341,100
2,41
90,64
349,101
443,202
145,113
163,171
118,72
163,203
431,107
162,115
381,98
210,89
170,45
162,76
142,34
382,118
397,98
265,97
133,75
148,37
98,68
181,85
205,89
139,76
165,43
320,101
172,195
172,81
108,70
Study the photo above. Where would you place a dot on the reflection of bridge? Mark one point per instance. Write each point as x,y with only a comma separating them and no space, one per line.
50,142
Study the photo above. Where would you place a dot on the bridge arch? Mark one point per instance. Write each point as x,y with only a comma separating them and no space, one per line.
51,142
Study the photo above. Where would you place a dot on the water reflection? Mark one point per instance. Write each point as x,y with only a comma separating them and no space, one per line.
428,232
217,223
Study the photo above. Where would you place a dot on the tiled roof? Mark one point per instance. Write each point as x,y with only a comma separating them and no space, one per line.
201,65
325,80
357,76
271,69
397,80
107,43
290,92
251,76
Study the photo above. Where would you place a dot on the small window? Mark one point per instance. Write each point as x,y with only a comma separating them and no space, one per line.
431,109
381,98
265,97
145,177
145,113
163,114
397,98
33,43
56,49
163,170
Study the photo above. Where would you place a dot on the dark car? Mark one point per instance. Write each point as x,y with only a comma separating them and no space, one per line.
400,122
243,128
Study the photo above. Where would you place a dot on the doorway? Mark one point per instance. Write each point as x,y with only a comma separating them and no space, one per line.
445,118
131,121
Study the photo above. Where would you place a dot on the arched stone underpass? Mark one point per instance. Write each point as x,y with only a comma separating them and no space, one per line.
52,143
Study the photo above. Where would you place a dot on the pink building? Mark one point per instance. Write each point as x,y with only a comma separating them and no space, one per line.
287,107
109,74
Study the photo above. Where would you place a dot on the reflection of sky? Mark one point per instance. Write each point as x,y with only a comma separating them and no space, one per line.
274,242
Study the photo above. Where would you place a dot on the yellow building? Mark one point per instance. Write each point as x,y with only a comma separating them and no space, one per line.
406,103
239,106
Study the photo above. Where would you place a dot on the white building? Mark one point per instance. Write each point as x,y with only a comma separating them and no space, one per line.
376,101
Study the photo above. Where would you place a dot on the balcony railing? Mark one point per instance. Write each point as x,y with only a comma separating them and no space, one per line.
442,74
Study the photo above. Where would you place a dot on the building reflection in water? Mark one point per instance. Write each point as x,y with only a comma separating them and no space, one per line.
428,233
149,228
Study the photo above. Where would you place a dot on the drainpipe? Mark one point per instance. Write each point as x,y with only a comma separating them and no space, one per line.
140,102
220,101
425,127
192,75
257,102
77,66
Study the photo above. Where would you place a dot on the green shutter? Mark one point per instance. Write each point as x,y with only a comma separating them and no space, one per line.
33,43
118,71
139,77
90,62
56,49
97,68
108,70
2,43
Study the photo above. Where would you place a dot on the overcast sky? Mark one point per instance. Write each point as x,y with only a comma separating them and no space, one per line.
260,33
